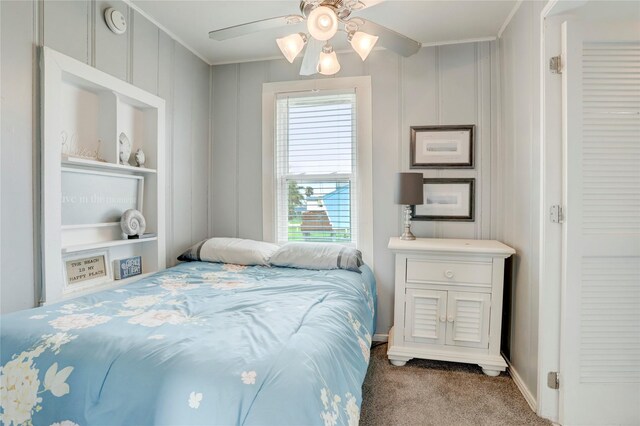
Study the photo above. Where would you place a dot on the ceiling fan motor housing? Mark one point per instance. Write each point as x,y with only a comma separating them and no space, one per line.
336,5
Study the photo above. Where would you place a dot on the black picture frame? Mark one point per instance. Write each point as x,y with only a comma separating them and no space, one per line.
468,164
470,217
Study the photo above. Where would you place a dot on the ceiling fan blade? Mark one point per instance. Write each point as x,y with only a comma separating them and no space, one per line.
390,39
311,55
253,27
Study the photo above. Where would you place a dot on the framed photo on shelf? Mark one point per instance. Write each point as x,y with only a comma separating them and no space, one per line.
442,147
447,199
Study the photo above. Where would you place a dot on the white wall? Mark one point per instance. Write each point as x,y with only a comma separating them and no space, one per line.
452,84
518,187
145,56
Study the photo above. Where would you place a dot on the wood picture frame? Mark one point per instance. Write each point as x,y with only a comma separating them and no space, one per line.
86,283
458,202
442,147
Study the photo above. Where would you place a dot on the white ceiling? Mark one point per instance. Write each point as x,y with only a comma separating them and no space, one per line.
426,21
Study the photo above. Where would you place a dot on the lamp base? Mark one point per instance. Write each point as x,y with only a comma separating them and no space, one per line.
407,235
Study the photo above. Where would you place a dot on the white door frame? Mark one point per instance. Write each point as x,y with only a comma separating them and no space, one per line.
551,160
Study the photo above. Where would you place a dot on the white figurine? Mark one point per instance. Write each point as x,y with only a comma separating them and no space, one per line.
140,158
125,149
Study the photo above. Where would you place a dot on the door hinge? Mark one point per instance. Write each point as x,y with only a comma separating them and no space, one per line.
556,214
555,65
553,380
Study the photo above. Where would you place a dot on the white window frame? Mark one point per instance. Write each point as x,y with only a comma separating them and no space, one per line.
364,191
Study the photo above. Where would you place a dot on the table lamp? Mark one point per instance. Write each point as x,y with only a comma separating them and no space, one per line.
409,192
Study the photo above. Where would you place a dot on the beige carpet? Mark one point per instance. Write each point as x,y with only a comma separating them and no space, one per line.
426,392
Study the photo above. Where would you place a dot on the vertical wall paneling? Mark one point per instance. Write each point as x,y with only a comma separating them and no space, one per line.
165,91
67,26
144,53
145,56
224,185
438,85
250,155
181,149
420,80
384,68
111,50
16,173
518,217
199,150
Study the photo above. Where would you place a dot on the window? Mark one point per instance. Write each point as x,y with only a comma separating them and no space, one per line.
316,167
317,161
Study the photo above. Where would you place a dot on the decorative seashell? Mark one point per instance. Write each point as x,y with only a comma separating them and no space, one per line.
125,148
132,222
140,158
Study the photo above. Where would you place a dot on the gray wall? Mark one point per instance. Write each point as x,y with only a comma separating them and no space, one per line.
145,56
519,180
453,84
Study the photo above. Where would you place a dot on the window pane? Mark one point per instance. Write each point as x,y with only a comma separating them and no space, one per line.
319,136
319,210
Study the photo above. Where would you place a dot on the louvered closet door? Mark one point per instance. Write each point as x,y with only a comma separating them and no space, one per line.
468,319
425,316
600,332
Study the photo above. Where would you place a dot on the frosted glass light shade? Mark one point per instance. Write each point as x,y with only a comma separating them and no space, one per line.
322,23
362,43
328,62
292,45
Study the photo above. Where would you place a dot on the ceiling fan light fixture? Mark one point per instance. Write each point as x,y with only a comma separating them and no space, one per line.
322,23
362,43
292,45
328,62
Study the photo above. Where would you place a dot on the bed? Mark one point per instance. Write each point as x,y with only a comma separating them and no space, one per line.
199,343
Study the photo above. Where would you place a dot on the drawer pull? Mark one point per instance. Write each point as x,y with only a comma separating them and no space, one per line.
449,273
443,319
450,318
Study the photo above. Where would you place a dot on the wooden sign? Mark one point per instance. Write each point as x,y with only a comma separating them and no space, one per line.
88,268
125,268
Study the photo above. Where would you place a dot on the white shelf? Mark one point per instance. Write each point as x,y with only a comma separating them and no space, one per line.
85,110
75,161
105,244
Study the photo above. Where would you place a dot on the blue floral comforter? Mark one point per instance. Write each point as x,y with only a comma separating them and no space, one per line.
199,343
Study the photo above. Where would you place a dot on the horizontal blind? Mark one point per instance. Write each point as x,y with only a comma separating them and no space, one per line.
316,166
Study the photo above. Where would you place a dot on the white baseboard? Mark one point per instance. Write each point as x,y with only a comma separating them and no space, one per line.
380,337
522,388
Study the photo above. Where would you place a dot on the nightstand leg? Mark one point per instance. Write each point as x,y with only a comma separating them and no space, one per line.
489,372
398,362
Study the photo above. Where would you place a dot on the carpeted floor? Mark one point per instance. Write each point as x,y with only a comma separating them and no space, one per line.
426,392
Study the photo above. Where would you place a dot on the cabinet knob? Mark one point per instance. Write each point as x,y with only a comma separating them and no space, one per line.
448,273
450,318
443,318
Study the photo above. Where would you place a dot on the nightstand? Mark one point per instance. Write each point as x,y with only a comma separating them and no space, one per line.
448,301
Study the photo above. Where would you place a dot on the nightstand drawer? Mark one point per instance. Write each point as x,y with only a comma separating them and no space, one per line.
419,271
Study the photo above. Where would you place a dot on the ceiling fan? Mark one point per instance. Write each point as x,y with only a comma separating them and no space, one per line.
324,19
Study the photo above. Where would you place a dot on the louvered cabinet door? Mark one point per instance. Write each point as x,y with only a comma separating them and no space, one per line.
468,319
425,316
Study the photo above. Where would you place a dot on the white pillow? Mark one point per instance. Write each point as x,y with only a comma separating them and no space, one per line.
231,250
317,256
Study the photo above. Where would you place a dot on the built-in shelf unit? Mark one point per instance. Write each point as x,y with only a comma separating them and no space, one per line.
85,185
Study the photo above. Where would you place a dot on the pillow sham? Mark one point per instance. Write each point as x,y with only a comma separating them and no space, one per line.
230,250
317,256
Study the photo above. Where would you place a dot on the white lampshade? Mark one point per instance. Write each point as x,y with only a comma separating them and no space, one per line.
292,45
322,23
362,43
328,63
